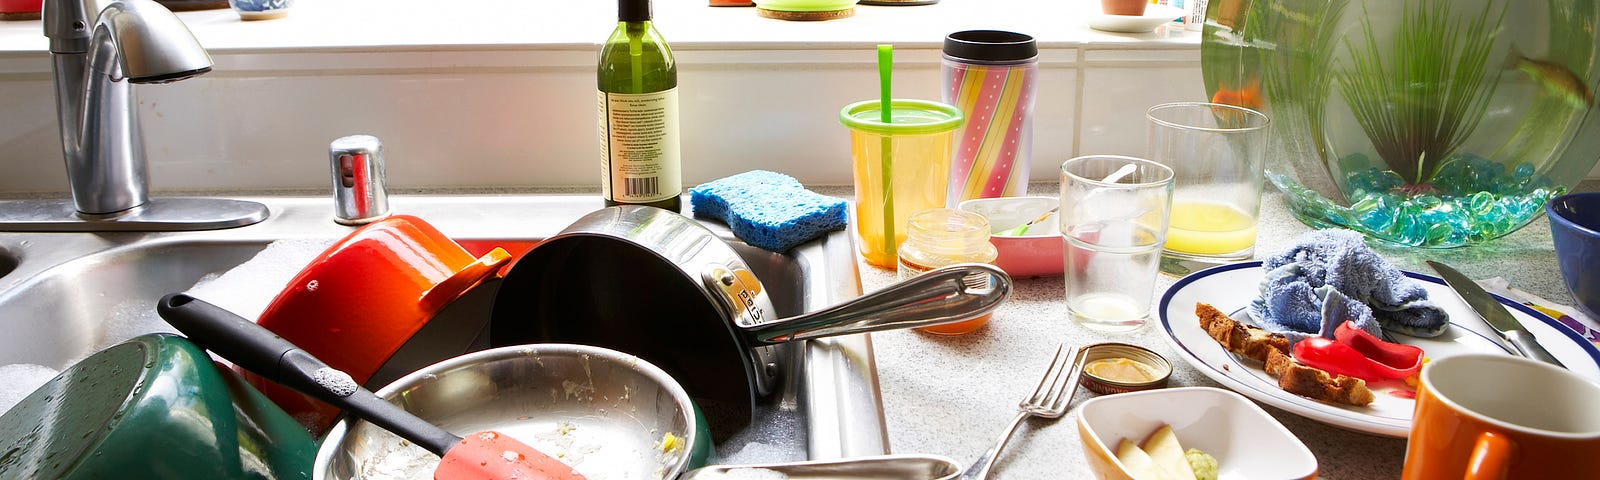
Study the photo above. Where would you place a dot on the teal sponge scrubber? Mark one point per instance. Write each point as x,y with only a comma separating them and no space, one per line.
769,210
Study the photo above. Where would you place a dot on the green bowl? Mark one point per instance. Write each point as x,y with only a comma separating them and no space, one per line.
152,407
805,5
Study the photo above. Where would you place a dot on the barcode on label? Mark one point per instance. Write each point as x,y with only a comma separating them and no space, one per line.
643,187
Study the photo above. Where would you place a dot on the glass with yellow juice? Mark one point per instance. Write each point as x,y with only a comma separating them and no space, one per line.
1217,153
901,168
1210,228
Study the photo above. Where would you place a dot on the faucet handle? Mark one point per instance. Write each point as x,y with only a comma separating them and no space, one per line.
359,195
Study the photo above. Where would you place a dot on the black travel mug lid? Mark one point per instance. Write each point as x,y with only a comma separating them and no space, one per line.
990,46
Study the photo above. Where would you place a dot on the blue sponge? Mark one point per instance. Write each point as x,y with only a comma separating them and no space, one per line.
769,210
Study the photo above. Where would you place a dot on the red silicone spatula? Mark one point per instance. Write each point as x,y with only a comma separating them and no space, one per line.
483,455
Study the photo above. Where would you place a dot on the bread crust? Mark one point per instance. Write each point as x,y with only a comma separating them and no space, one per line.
1272,350
1246,340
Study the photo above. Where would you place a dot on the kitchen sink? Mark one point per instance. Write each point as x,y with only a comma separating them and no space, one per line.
63,295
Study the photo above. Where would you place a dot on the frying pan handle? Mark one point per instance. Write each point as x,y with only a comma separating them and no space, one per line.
259,350
943,295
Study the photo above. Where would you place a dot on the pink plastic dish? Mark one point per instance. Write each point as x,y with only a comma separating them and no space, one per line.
1034,254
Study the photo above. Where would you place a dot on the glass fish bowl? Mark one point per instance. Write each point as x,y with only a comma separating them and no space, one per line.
1430,123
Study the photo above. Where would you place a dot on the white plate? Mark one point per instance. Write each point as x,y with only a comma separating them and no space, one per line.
1154,15
1230,288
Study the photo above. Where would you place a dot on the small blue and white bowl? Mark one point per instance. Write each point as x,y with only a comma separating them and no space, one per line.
261,9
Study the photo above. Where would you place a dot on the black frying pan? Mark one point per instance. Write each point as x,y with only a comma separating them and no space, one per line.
658,285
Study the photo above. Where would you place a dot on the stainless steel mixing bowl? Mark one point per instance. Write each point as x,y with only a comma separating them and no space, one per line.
606,413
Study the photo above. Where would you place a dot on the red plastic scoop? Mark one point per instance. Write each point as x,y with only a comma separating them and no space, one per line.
483,455
494,455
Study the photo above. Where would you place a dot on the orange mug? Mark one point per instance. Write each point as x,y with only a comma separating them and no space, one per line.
1488,416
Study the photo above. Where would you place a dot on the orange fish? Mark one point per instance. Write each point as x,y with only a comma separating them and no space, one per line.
1248,96
1555,78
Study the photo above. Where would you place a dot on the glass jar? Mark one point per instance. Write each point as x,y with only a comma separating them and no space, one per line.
941,237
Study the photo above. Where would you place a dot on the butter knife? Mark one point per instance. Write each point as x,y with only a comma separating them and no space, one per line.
1494,314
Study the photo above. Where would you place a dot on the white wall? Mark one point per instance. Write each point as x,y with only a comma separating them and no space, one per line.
525,117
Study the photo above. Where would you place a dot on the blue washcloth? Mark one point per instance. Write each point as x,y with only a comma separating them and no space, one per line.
769,210
1363,287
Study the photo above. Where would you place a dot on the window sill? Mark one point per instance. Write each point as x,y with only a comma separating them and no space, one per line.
401,25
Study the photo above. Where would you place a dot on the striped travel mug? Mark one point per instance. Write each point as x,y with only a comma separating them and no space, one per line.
990,75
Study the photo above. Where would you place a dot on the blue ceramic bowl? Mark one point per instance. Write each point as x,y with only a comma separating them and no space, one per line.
261,9
1575,227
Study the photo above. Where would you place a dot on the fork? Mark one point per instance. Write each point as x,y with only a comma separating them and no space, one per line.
1049,400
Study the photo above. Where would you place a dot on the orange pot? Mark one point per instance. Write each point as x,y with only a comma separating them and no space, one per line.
1124,7
362,300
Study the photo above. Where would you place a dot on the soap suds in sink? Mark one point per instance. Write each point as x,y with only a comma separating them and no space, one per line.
249,287
245,290
17,381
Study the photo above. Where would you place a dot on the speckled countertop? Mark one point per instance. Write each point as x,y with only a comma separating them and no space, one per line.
953,395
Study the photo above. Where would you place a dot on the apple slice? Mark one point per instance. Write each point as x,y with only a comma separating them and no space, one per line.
1138,463
1167,454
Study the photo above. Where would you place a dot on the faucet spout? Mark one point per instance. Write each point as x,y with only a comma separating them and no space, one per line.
128,41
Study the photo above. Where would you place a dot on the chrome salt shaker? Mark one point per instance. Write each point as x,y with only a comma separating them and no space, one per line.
359,195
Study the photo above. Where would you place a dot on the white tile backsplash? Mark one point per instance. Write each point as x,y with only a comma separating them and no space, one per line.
1115,100
490,109
264,119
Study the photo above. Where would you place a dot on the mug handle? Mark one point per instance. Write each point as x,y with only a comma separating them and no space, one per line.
1491,457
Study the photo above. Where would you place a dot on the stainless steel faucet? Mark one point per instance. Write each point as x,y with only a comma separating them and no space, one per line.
100,48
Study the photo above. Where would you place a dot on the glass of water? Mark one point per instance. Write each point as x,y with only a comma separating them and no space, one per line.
1114,221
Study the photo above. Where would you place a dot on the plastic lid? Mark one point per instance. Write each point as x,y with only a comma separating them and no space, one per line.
990,46
911,117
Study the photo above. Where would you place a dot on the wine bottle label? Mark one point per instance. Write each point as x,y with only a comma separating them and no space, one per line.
639,146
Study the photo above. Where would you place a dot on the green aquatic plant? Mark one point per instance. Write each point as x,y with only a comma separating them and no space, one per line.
1418,100
1300,47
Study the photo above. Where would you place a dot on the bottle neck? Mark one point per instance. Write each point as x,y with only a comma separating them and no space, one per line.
633,10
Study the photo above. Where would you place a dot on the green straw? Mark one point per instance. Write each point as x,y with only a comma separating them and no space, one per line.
886,113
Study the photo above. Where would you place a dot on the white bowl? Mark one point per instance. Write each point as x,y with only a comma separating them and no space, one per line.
1154,16
1247,442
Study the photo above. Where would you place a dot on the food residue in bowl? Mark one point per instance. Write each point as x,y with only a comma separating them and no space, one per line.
1162,456
670,442
1121,370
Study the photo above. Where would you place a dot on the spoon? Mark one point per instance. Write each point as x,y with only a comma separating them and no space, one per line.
1020,230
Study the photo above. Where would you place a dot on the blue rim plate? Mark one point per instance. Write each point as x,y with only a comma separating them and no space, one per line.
1230,288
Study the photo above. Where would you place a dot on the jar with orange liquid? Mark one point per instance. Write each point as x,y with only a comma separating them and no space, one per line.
901,167
941,237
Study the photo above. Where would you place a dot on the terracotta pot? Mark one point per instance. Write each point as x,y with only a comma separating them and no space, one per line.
1123,7
20,9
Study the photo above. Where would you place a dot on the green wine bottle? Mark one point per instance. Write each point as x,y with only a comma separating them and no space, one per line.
638,103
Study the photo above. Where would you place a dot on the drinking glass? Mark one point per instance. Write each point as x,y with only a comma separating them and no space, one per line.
1114,222
1216,153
